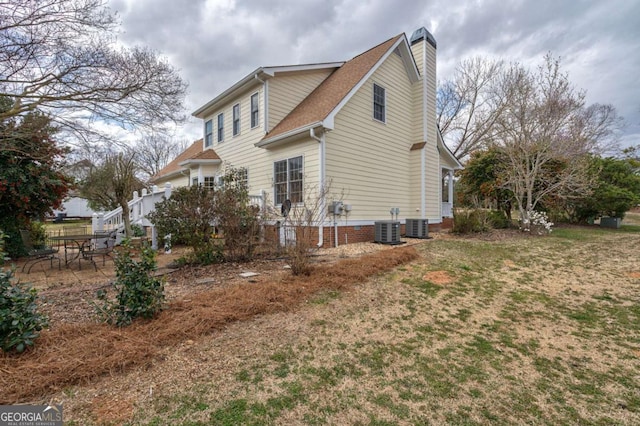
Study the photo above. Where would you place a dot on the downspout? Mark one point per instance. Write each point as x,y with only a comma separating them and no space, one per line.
265,95
423,157
321,176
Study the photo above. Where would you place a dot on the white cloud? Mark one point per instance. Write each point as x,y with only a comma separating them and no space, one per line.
217,42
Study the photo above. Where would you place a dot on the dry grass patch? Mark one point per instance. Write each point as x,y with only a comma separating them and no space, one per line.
438,277
78,353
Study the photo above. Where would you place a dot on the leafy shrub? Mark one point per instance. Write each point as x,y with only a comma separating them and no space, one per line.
13,245
138,293
238,220
137,230
20,322
498,219
470,221
209,252
187,216
38,233
191,212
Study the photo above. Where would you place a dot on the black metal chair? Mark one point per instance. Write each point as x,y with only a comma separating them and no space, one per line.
101,244
39,254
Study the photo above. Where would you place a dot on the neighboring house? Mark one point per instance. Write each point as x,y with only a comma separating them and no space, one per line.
366,126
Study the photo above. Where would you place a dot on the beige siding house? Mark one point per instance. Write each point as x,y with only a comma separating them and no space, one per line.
366,126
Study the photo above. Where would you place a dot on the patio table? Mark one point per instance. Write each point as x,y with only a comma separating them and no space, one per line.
74,244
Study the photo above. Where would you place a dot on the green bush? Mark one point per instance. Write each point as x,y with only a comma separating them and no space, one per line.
137,230
498,219
138,293
191,212
13,244
38,234
20,322
470,221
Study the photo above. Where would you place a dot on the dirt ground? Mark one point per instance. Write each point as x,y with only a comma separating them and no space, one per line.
67,293
510,319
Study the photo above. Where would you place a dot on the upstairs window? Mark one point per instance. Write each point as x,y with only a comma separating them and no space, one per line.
236,119
287,178
220,127
208,133
379,103
255,118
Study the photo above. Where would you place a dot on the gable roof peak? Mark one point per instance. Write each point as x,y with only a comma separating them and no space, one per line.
322,104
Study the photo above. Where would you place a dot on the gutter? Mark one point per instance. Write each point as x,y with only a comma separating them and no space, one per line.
294,132
321,176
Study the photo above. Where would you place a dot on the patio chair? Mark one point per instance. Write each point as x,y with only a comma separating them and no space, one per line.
101,244
37,255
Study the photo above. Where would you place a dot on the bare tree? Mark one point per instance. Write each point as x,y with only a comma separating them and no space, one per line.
547,134
300,225
111,184
153,152
469,105
61,57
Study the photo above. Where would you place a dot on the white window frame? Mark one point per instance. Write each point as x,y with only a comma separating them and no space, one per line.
208,135
209,182
221,127
256,112
236,120
383,105
289,181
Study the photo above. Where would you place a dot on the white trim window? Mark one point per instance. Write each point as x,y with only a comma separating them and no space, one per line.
221,127
379,103
236,119
208,133
209,182
255,111
287,180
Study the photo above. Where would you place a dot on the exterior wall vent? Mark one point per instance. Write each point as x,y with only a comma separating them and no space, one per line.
417,228
387,232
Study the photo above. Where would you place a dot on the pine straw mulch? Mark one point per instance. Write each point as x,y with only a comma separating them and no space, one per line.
78,353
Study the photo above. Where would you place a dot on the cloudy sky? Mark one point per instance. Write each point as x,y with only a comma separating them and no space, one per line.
215,43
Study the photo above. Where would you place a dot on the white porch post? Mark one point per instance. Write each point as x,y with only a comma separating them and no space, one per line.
200,176
450,189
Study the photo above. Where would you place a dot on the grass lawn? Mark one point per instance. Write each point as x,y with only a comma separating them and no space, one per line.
508,330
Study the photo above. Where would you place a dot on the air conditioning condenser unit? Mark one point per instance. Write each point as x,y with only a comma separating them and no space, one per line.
417,228
387,232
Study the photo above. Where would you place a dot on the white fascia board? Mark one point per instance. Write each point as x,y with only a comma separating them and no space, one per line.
196,161
271,71
444,150
170,174
331,117
247,81
266,142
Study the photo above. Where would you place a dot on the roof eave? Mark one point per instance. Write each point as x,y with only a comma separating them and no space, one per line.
246,82
168,175
290,135
196,161
447,151
256,77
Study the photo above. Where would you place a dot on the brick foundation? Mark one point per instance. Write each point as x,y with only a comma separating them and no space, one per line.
349,234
